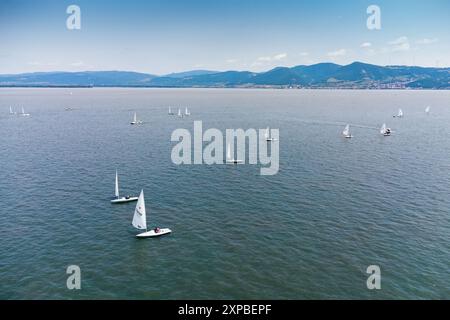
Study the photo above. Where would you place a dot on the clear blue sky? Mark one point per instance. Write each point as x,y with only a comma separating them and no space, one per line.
163,36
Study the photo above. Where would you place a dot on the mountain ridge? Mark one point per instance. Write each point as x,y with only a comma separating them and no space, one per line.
357,75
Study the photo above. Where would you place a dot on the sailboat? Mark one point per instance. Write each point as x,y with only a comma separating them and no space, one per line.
23,113
427,110
170,112
11,112
385,131
267,136
135,120
346,133
400,114
229,159
119,199
140,221
179,113
186,112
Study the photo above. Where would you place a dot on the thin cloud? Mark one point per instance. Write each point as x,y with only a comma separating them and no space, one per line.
366,45
400,44
427,41
337,53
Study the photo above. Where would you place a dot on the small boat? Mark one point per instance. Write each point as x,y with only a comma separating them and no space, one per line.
230,160
427,110
140,221
346,133
23,113
11,112
385,131
187,112
267,136
399,114
170,112
135,120
179,113
118,198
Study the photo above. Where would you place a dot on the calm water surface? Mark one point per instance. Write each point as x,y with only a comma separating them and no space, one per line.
335,207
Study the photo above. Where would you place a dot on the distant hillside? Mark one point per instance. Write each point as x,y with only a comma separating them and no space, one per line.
190,73
357,75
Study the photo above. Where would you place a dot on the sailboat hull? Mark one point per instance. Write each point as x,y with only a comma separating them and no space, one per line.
124,200
153,234
235,161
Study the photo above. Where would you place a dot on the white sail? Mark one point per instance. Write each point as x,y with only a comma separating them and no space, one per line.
346,131
140,217
267,133
427,110
229,152
383,129
117,186
400,113
179,112
10,110
23,110
170,111
186,112
135,118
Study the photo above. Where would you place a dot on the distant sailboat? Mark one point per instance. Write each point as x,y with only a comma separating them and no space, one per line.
230,160
170,112
186,112
267,136
135,120
140,221
346,133
427,110
385,131
11,111
119,199
23,113
399,114
179,113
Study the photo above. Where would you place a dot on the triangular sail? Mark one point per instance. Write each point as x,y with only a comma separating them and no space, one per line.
10,110
186,112
427,110
400,113
135,117
117,186
23,110
267,133
229,151
179,112
346,131
383,129
140,218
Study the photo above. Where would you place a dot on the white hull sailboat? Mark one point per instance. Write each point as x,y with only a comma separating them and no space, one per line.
11,112
179,113
170,112
23,114
268,137
230,160
385,131
346,133
135,120
118,198
399,114
187,112
140,221
427,110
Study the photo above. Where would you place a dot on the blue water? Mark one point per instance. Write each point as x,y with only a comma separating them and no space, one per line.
335,207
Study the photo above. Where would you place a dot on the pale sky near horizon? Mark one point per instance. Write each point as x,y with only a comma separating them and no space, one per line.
164,36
